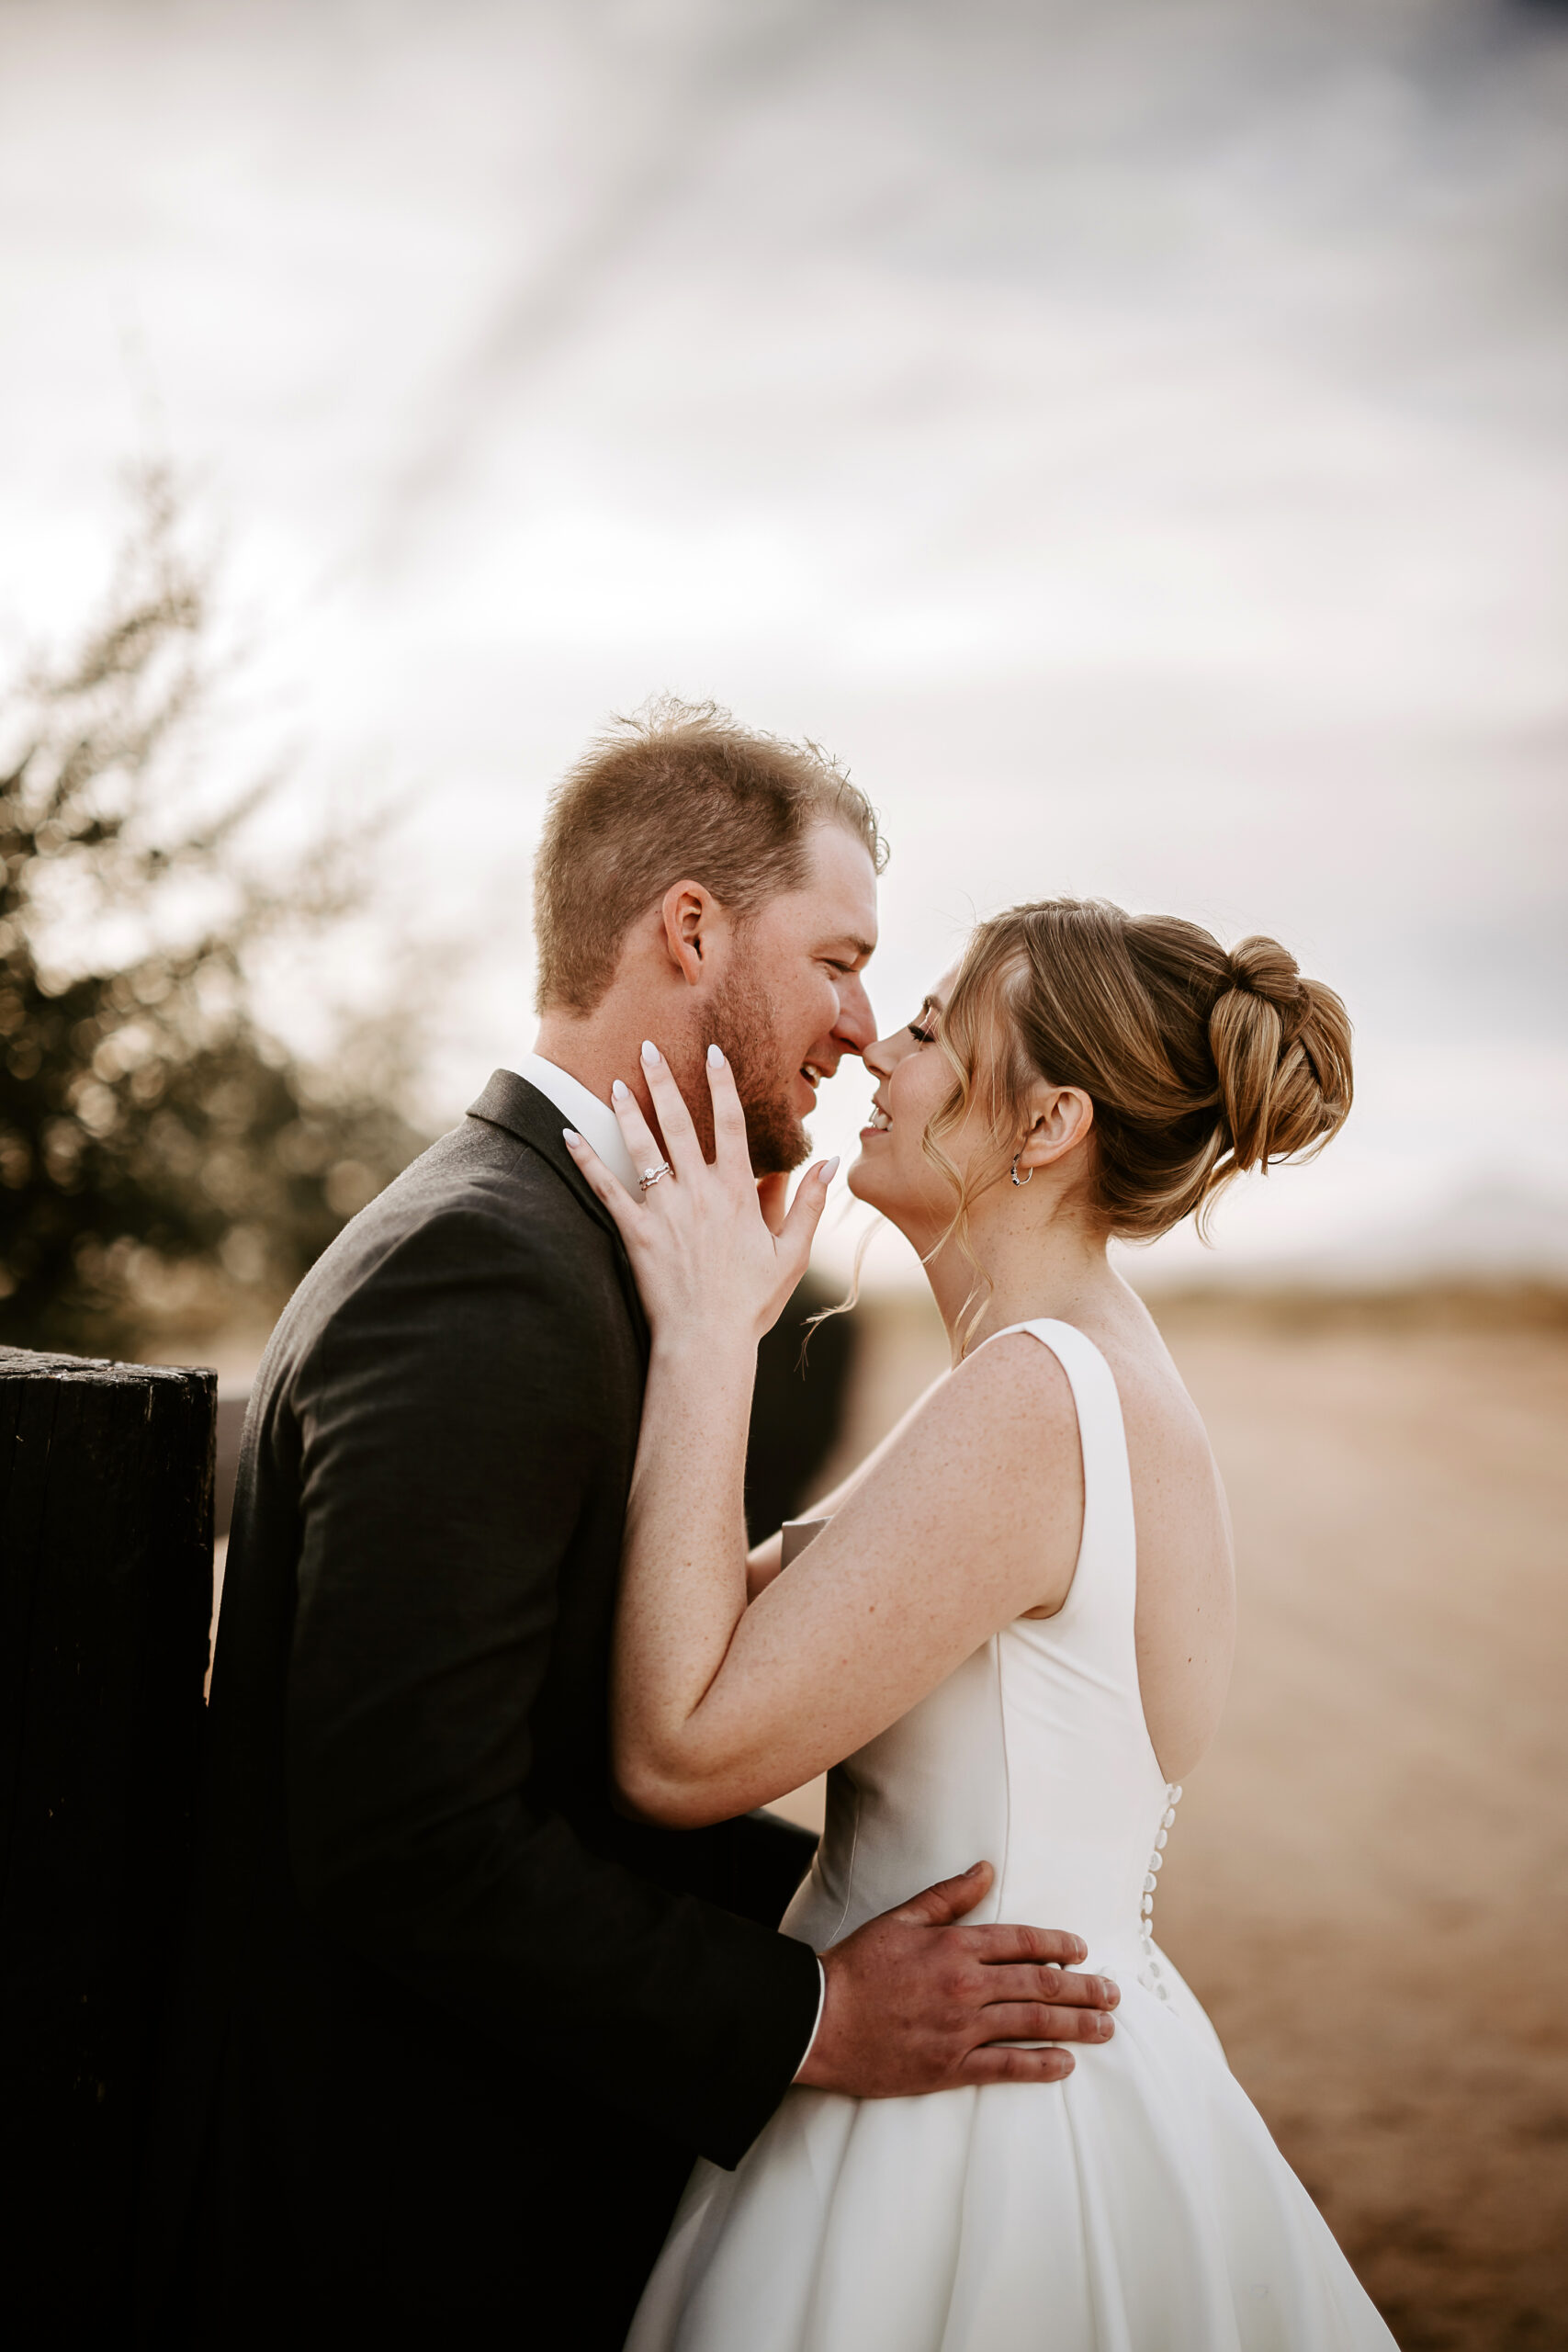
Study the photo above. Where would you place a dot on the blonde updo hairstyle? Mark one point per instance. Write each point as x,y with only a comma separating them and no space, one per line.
1200,1062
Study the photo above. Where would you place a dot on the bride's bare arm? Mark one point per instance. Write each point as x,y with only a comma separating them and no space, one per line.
973,1515
764,1560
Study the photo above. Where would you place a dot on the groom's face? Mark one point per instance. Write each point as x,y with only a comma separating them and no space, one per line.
792,1002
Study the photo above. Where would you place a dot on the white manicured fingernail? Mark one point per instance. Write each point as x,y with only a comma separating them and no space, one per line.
831,1170
716,1059
571,1137
619,1091
650,1053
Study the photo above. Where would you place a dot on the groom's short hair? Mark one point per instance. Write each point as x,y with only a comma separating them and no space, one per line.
678,791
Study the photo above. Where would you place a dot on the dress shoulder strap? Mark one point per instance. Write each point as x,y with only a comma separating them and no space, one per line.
1107,1568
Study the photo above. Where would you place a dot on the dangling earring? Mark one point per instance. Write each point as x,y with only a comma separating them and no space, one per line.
1020,1181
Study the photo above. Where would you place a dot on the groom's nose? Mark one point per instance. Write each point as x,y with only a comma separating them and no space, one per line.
856,1024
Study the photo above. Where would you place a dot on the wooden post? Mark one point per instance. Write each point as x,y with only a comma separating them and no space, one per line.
106,1582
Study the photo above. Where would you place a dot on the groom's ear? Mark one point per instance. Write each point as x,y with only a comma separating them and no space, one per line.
692,917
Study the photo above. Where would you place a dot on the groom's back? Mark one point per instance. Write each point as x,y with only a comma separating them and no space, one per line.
427,1291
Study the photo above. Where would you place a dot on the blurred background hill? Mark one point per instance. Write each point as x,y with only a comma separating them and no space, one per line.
1135,439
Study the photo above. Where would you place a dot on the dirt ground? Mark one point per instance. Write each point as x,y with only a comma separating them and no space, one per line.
1368,1883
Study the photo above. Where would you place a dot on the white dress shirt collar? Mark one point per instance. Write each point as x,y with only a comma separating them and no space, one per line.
583,1111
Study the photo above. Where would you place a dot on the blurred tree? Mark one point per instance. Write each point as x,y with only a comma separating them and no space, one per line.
162,1159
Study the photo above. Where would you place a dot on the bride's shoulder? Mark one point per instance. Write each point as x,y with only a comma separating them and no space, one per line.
979,1493
1148,1380
1168,1440
1158,1411
1008,1391
1010,1355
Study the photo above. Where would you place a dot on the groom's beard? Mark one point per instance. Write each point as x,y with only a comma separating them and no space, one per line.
741,1027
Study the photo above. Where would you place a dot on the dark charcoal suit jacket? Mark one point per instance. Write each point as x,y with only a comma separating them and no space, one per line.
453,2027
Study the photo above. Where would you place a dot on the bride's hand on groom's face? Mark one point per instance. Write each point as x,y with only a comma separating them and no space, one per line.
710,1248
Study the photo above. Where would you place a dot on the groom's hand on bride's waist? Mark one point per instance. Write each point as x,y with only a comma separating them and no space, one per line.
917,2001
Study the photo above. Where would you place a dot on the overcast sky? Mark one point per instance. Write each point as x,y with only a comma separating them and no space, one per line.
1133,437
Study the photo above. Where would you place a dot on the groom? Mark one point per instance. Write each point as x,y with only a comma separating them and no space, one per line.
453,2026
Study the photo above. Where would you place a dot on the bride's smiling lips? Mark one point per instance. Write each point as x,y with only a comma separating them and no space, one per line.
881,1119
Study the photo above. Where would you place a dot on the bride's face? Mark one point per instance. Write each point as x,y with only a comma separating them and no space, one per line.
914,1078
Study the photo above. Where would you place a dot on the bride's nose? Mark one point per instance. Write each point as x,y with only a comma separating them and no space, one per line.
881,1054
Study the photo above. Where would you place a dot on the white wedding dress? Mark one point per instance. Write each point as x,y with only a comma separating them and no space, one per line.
1139,2206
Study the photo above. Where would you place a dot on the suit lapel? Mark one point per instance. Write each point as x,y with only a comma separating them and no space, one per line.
511,1102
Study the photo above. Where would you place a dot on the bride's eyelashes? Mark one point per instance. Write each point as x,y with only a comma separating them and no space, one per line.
919,1032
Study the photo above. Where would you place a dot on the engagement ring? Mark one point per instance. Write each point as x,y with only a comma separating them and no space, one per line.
650,1176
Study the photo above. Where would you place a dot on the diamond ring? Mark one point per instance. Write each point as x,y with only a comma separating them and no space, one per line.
650,1176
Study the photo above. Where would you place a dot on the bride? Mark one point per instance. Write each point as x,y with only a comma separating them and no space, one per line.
1011,1638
